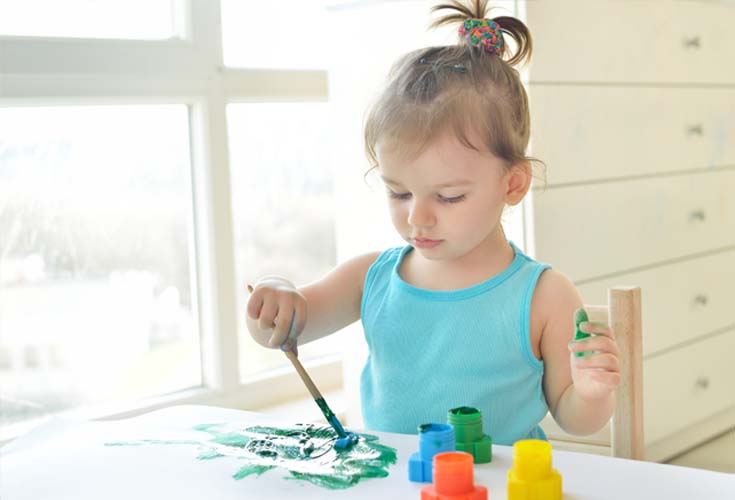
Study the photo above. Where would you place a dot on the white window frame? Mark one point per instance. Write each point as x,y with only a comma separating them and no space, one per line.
54,71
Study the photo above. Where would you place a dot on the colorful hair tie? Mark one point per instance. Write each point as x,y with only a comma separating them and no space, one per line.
483,33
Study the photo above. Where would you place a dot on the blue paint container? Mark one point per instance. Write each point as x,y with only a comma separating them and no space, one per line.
433,439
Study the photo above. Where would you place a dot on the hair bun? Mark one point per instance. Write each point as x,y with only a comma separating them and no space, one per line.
484,33
477,29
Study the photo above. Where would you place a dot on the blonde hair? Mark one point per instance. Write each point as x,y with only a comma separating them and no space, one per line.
476,95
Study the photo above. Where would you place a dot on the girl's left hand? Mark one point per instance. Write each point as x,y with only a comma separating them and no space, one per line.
596,374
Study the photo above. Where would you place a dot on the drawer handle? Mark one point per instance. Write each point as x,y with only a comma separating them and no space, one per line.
701,299
697,215
695,130
702,382
692,43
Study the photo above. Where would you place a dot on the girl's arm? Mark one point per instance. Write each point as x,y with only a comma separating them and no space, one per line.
320,308
580,391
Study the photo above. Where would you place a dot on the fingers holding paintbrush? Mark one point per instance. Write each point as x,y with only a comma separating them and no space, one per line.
276,313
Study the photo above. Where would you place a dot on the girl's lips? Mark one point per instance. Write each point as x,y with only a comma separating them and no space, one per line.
425,242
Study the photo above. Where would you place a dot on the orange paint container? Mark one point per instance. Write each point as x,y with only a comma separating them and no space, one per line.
453,478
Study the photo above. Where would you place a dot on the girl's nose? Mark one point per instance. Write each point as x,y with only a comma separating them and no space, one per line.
421,214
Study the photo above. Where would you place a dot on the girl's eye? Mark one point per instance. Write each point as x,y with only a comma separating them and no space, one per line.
399,196
452,199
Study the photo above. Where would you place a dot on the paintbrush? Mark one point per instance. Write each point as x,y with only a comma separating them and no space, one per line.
345,439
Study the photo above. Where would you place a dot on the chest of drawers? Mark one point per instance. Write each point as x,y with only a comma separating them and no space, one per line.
633,112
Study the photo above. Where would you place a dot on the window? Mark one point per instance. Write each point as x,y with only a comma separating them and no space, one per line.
291,34
131,19
283,206
95,222
123,237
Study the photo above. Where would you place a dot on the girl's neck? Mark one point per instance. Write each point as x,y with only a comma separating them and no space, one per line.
486,260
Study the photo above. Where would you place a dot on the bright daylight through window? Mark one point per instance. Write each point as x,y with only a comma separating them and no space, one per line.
155,156
96,290
305,32
132,19
283,206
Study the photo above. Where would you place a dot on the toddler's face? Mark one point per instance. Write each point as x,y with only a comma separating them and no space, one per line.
447,201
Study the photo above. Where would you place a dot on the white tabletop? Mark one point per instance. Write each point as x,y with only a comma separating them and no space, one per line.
69,460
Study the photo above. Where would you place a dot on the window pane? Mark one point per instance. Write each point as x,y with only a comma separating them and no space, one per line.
283,207
95,288
290,34
126,19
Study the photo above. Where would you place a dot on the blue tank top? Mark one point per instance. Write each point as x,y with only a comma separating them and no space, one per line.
431,351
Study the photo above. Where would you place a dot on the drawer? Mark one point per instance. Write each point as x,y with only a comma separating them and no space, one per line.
687,385
680,301
593,230
584,133
631,41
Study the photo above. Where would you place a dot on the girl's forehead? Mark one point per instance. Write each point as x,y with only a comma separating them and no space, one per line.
444,156
448,143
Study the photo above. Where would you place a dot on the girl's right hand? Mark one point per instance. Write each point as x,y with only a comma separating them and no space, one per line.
277,313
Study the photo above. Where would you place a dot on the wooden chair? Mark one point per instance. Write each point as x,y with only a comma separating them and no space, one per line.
623,436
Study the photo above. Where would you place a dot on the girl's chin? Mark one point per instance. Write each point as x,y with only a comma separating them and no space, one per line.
436,253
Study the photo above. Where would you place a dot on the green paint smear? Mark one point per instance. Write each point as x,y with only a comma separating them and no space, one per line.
306,451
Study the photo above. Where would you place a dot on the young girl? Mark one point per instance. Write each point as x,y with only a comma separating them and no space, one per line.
459,316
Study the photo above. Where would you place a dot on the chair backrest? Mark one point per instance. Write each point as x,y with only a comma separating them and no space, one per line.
623,437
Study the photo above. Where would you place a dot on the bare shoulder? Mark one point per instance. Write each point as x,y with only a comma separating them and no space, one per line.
554,289
552,307
358,266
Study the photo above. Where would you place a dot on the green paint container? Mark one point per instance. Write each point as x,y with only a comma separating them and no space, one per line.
468,433
580,316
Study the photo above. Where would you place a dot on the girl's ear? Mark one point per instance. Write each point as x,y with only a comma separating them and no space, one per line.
518,181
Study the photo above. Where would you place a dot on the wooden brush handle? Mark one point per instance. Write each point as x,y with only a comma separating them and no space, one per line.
304,376
291,355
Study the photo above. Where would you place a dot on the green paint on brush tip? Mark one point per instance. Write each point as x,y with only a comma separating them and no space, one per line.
305,451
580,316
326,410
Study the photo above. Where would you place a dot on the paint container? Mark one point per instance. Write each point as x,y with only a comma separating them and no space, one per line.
433,439
453,478
532,475
580,316
467,423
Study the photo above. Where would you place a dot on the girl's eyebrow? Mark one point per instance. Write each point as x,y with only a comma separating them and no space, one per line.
453,183
458,182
